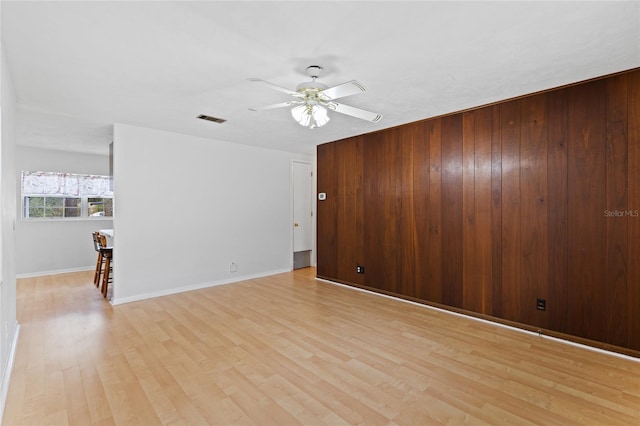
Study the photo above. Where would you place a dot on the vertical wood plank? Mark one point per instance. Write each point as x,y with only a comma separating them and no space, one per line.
373,171
533,199
557,206
421,168
496,214
382,200
616,200
511,246
326,213
471,290
434,290
405,248
483,205
410,208
452,210
349,251
586,210
633,268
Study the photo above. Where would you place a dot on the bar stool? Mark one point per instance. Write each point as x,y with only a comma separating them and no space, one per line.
107,254
100,260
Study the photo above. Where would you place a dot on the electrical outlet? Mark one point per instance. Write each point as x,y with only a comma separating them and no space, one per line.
360,269
541,304
233,267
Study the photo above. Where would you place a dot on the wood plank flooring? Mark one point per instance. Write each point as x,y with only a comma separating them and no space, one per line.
289,350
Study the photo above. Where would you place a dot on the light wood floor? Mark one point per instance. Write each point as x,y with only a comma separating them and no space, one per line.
288,350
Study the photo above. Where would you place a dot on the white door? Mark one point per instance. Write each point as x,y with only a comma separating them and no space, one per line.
302,206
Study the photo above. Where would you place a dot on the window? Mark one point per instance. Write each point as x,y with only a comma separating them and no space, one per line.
52,207
50,195
100,206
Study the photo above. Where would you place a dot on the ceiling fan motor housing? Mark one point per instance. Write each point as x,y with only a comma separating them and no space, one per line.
310,87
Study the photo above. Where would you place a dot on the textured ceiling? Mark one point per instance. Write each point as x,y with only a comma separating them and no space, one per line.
79,67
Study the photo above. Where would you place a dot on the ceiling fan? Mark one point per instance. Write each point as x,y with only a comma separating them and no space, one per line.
313,99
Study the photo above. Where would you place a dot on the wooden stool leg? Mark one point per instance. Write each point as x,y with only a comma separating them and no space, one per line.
105,275
96,276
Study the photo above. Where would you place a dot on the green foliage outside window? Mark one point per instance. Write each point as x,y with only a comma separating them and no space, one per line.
52,207
100,206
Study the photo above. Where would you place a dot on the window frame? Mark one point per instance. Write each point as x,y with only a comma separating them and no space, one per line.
45,206
84,202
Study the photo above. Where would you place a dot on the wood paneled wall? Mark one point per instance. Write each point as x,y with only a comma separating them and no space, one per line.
488,210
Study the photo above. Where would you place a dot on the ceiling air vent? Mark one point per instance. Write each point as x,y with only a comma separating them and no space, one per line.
209,118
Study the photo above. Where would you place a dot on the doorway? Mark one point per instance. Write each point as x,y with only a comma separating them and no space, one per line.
302,214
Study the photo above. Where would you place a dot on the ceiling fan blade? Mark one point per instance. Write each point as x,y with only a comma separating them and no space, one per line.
274,106
275,86
354,112
341,90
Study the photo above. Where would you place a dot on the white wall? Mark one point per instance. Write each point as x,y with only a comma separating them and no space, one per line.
187,207
53,246
8,323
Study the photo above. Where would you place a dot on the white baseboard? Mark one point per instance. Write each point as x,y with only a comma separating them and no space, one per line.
56,272
6,377
167,292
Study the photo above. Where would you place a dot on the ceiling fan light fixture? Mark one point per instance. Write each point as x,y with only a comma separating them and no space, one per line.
320,116
301,114
310,115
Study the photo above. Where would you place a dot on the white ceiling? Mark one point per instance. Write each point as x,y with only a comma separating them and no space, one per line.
79,67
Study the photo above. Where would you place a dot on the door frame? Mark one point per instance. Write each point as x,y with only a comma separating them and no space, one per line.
313,210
